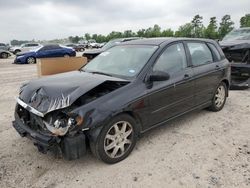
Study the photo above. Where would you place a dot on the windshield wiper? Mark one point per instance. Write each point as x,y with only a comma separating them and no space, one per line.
97,72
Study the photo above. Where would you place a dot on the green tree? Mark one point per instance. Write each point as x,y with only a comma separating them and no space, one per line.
226,26
198,28
87,36
211,30
167,33
184,30
141,33
245,21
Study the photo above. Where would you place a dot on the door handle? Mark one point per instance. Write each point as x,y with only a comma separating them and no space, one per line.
217,67
186,77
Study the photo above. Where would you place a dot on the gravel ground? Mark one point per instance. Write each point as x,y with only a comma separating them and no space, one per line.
200,149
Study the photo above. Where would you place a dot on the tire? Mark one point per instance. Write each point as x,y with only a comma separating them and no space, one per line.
4,55
66,55
17,51
31,60
219,98
116,140
82,49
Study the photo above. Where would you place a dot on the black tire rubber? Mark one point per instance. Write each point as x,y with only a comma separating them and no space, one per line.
17,51
213,107
4,55
97,147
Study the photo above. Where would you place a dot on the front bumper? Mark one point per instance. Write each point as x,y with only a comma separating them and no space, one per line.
70,147
240,76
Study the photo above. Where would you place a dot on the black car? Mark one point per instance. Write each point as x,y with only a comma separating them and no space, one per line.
90,54
124,92
236,46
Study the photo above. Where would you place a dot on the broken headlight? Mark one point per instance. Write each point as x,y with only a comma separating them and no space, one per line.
60,124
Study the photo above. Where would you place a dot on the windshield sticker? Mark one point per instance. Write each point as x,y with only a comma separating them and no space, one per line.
132,71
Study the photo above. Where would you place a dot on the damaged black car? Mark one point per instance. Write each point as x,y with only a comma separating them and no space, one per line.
122,93
236,46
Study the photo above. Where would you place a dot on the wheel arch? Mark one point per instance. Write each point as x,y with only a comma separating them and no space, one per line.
225,81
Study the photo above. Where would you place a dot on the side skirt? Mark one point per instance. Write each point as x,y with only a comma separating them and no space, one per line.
202,106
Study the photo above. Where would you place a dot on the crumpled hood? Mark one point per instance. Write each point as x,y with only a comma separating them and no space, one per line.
242,43
59,91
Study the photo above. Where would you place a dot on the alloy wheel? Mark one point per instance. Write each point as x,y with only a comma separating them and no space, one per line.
220,96
31,60
118,139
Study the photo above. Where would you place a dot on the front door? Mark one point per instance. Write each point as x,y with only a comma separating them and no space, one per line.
176,95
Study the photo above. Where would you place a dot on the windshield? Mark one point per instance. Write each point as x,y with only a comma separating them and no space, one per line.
241,34
110,44
124,61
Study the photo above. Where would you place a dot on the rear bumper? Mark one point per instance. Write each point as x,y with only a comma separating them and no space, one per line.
70,147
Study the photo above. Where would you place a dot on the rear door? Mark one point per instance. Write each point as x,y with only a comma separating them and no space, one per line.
207,70
176,95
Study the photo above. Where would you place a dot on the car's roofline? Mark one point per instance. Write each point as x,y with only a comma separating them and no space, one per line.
161,40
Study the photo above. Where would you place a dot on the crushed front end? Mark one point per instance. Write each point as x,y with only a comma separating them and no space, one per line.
239,56
54,132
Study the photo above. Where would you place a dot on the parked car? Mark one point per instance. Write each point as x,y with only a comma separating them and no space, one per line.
125,91
4,54
52,50
77,47
236,46
4,46
25,47
93,44
90,54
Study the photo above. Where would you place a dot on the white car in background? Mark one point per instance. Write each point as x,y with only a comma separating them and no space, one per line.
25,47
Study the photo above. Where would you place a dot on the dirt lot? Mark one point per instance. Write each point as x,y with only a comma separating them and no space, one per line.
201,149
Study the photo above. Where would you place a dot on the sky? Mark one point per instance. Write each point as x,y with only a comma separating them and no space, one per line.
51,19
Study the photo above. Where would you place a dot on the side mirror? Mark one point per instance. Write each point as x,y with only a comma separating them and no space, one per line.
158,76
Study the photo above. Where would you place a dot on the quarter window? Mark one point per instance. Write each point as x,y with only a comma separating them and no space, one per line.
217,56
172,60
200,53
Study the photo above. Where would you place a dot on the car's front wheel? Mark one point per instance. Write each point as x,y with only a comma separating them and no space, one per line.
116,140
4,55
31,60
219,97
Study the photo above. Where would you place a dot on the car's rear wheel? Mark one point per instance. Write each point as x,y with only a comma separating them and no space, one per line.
219,98
4,55
66,55
116,140
31,60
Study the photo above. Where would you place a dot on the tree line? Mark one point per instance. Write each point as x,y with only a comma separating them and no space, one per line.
194,29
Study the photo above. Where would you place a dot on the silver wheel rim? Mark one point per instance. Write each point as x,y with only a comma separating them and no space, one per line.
220,96
118,139
31,60
66,55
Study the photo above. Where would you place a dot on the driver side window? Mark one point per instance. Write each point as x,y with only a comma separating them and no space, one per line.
172,60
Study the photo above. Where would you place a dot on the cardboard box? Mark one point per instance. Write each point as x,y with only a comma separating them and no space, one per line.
49,66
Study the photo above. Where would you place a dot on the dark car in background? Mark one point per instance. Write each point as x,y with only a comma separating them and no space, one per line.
90,54
77,47
236,46
125,91
51,50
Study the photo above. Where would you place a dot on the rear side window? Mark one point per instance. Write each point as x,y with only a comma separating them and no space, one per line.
216,54
200,53
172,60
